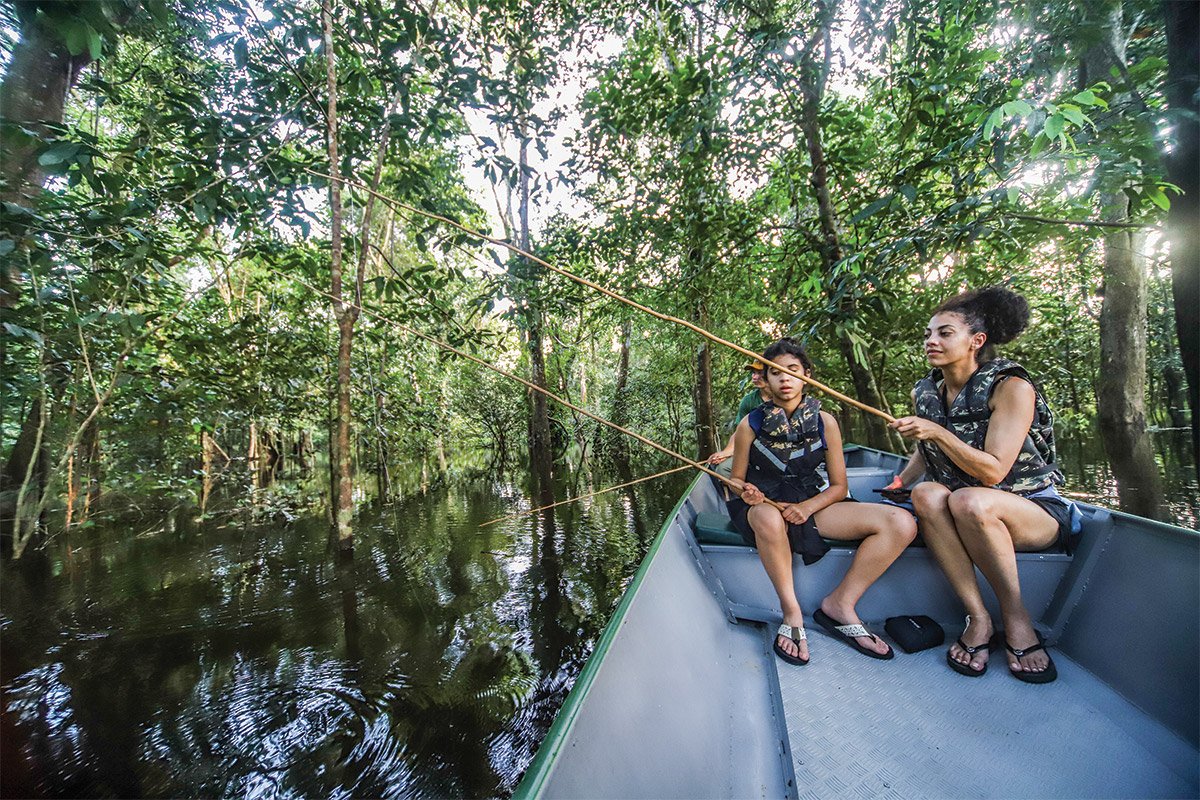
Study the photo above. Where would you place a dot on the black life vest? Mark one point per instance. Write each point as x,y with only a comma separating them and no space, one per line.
786,451
967,418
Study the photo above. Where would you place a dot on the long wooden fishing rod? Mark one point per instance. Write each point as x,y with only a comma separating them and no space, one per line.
592,285
586,496
536,388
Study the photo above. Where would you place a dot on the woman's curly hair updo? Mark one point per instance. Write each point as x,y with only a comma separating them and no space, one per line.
999,312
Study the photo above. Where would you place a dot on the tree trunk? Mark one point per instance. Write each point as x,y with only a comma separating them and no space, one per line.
25,449
1121,388
34,92
207,452
706,428
618,446
1120,392
1183,220
540,455
831,253
94,468
344,496
344,313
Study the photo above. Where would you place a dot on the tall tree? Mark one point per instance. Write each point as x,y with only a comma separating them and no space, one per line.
1182,19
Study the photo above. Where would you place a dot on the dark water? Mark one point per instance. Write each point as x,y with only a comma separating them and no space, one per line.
1090,477
241,658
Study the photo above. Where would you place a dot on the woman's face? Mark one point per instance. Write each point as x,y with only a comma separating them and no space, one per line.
948,339
783,386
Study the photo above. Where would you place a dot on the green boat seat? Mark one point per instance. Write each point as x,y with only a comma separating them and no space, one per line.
717,529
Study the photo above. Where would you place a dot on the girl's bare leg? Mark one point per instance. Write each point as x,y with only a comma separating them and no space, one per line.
884,531
775,552
932,504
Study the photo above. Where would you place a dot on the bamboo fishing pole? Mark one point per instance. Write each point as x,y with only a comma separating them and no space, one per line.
671,471
632,303
542,390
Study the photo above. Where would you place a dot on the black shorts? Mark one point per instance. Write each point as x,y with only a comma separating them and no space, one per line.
1064,513
804,539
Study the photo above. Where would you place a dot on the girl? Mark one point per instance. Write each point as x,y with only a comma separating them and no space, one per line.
986,444
777,449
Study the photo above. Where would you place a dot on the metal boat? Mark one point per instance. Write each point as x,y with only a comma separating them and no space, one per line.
683,696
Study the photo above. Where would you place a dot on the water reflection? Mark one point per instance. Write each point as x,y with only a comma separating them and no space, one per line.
233,657
1162,484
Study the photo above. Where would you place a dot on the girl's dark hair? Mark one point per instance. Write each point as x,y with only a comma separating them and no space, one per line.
999,312
788,347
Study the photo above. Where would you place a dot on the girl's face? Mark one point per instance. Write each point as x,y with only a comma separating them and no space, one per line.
948,339
783,386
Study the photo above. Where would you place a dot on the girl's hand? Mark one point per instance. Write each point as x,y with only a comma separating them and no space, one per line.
795,513
895,484
751,495
917,428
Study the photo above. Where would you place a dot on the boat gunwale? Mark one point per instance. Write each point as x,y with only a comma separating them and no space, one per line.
536,774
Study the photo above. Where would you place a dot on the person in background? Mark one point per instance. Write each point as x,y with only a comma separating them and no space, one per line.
778,448
751,401
985,441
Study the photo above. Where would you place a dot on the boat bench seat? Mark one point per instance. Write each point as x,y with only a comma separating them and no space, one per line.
714,528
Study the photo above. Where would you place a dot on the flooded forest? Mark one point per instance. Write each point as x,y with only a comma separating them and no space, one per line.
311,307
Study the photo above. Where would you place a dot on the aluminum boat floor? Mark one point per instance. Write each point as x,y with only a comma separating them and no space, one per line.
911,727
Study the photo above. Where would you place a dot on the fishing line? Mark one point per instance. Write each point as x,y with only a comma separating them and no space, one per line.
397,204
531,385
586,496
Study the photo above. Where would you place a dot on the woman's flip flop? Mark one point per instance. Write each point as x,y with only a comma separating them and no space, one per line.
1045,676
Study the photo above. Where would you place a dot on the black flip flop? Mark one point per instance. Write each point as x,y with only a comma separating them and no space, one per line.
1047,675
847,634
965,669
797,635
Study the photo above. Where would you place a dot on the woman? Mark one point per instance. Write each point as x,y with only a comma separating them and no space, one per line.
777,449
986,444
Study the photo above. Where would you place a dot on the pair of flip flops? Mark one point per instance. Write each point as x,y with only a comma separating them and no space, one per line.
850,633
1045,676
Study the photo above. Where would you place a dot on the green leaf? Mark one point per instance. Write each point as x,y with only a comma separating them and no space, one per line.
1073,114
60,152
94,42
1014,194
1017,108
872,209
992,122
1085,98
1054,126
1158,197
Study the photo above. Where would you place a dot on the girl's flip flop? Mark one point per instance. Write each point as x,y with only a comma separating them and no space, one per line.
847,634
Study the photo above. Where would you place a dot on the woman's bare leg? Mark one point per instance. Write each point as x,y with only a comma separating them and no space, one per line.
932,504
775,552
885,532
993,525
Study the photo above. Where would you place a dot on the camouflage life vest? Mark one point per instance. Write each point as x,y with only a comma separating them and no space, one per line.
1036,465
787,451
